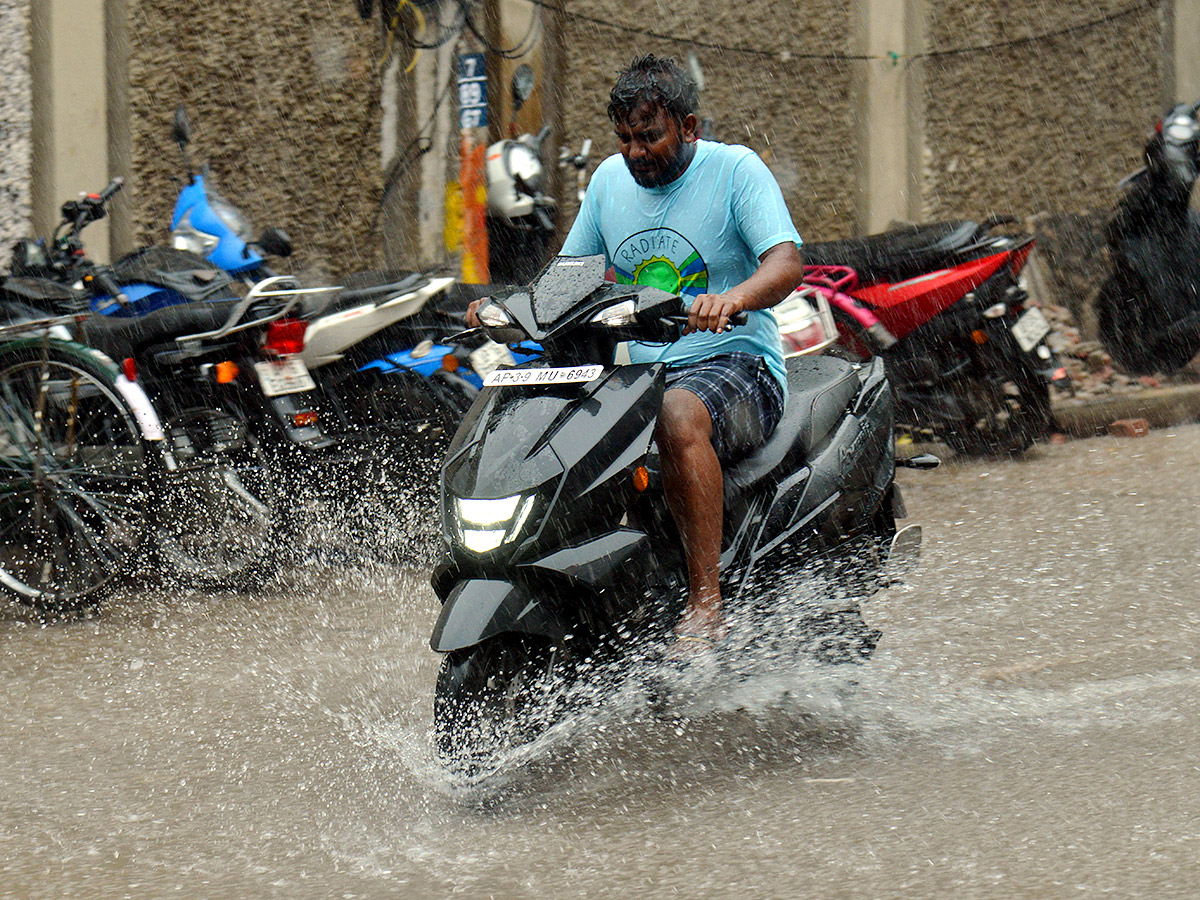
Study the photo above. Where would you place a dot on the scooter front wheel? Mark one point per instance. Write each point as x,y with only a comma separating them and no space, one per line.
496,697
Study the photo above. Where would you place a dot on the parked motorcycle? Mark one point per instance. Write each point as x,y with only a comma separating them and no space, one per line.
560,549
376,339
944,306
519,225
219,370
1148,310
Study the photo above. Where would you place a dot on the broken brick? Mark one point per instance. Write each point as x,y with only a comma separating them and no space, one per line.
1129,428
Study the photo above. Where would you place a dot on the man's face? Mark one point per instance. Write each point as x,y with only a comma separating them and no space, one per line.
656,149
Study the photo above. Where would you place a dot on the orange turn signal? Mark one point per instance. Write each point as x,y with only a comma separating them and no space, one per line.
226,371
641,479
304,418
979,336
450,362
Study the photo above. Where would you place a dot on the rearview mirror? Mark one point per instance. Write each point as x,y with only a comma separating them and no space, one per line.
523,82
182,132
275,242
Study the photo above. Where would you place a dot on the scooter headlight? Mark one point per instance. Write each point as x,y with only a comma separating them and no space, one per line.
483,525
623,313
187,237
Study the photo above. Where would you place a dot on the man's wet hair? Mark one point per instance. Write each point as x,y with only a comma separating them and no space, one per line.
654,81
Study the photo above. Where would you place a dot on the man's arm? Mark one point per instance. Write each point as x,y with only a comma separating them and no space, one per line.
780,270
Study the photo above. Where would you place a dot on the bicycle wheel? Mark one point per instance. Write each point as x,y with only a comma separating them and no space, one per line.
74,476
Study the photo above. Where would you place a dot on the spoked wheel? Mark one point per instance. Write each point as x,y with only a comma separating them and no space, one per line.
219,510
74,477
494,698
1003,417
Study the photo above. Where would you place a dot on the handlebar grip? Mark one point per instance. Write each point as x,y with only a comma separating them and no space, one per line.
113,188
102,284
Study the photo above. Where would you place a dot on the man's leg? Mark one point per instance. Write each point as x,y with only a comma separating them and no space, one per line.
693,483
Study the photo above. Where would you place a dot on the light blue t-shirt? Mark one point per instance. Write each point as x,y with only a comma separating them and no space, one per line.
700,234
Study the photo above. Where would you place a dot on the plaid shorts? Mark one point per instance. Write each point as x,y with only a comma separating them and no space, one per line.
741,395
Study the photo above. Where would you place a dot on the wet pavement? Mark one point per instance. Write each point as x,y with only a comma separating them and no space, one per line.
1027,728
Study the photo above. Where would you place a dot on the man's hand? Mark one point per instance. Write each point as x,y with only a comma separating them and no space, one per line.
472,314
712,312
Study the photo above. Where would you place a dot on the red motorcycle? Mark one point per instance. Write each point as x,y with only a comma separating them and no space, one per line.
944,306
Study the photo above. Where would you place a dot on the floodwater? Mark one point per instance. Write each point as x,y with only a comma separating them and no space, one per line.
1027,729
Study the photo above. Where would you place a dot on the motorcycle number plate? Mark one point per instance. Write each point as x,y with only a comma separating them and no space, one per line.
1030,329
563,375
288,376
488,358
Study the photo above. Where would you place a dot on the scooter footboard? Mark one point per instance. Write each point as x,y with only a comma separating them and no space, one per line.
478,609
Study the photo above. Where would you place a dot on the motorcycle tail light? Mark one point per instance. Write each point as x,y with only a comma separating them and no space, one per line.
286,336
129,368
303,419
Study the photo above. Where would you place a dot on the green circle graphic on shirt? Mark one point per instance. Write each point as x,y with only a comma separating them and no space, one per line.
662,258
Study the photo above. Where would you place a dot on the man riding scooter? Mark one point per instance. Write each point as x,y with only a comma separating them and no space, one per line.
705,220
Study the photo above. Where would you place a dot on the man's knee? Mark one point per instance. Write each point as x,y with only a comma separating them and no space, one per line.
683,423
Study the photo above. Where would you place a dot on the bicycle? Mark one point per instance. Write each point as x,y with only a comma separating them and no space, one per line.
81,450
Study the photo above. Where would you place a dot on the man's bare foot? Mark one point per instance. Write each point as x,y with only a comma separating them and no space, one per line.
700,631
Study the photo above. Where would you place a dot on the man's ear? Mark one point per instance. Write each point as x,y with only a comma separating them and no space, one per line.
688,128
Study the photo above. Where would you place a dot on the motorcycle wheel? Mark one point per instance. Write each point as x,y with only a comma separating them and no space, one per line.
1129,339
1004,418
218,522
496,697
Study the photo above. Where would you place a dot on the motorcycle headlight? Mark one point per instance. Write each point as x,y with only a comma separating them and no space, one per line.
483,525
187,237
623,313
231,216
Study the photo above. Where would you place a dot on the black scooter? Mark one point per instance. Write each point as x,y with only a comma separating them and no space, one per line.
560,549
1149,309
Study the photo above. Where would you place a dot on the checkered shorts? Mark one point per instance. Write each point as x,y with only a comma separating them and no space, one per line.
741,395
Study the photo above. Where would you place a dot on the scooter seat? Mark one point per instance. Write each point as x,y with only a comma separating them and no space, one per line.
896,255
820,389
119,336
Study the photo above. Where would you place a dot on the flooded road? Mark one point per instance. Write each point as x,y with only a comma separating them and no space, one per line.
1027,729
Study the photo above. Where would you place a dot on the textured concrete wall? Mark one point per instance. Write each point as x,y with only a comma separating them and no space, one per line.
796,113
284,96
1047,126
15,124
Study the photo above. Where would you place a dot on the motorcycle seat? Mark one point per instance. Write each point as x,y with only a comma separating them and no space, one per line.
44,294
820,389
360,289
899,254
119,336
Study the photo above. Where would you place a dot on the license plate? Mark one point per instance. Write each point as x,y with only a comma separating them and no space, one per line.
288,376
488,358
563,375
1030,329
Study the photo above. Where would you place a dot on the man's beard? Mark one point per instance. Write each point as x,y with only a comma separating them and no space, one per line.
673,170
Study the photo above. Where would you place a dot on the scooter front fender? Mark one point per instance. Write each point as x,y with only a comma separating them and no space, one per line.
477,609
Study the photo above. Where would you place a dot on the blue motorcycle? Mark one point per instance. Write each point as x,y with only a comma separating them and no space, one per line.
381,324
